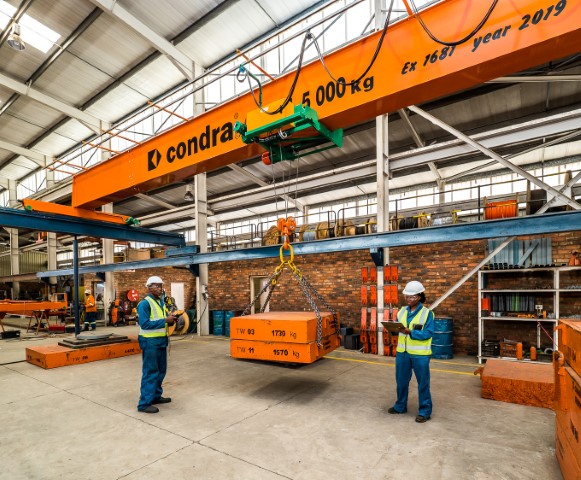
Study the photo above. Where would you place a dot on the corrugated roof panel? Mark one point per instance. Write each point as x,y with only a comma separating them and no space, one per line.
156,78
35,113
72,80
282,11
19,167
169,18
111,47
16,130
241,23
117,103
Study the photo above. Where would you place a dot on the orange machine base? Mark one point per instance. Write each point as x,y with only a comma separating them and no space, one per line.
518,382
52,356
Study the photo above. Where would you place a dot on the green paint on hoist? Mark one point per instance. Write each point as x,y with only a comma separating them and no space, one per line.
283,143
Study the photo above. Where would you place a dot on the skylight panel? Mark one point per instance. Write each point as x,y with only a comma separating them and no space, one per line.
33,32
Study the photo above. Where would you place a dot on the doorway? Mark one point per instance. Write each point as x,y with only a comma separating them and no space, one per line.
177,292
256,285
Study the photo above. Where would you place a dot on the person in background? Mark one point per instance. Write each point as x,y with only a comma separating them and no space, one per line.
413,351
90,311
153,339
100,307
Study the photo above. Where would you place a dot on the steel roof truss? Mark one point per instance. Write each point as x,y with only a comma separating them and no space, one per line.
550,190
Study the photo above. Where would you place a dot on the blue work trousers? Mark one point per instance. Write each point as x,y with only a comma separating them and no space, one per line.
152,374
90,320
420,365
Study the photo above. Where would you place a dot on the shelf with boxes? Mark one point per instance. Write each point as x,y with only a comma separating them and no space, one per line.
535,299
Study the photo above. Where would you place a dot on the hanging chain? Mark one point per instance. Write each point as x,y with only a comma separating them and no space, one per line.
273,278
308,291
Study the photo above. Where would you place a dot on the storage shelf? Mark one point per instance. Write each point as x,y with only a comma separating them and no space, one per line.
563,268
516,319
510,290
550,298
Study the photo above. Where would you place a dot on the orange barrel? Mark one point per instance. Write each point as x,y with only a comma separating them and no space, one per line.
519,351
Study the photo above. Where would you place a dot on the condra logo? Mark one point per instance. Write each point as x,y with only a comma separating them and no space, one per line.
207,139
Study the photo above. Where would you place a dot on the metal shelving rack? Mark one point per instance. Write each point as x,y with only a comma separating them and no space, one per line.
556,292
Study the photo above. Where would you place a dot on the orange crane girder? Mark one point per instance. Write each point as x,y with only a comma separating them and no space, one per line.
410,69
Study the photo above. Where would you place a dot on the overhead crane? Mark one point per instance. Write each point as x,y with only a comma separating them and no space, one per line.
410,69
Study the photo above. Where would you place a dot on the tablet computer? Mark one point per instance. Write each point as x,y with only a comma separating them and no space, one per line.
393,327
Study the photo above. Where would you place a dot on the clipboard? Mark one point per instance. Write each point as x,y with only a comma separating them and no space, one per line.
393,327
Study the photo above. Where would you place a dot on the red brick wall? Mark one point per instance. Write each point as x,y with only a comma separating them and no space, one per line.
337,278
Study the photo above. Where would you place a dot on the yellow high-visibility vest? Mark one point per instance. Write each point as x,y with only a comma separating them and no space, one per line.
156,313
404,342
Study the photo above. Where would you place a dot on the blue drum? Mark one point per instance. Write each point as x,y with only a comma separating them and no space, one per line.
442,341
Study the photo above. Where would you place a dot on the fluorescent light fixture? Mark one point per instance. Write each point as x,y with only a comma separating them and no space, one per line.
32,32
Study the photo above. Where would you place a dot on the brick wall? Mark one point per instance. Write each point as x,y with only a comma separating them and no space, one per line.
336,277
135,280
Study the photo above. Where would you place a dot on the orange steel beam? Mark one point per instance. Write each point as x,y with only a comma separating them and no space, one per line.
47,207
410,69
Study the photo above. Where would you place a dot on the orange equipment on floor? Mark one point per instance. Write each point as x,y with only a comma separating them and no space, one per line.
38,310
290,337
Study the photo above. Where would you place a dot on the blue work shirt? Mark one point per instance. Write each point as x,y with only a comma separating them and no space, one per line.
428,330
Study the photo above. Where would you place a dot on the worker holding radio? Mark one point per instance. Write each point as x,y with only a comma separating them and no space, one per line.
154,319
413,351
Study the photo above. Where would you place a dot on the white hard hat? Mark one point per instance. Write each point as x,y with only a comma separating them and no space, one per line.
413,288
87,292
152,280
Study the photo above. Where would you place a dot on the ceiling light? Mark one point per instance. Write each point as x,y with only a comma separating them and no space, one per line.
189,196
14,39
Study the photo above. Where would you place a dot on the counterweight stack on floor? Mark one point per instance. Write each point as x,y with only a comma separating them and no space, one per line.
290,337
567,366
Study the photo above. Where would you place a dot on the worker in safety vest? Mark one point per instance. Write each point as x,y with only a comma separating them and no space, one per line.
90,311
414,347
153,340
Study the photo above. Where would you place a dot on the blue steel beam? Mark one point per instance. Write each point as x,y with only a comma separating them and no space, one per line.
47,222
531,225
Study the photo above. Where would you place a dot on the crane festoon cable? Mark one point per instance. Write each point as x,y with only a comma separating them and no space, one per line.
309,35
457,42
243,70
371,62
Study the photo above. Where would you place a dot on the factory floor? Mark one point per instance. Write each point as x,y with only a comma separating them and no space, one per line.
235,419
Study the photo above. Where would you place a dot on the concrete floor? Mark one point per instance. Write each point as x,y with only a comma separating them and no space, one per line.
235,419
